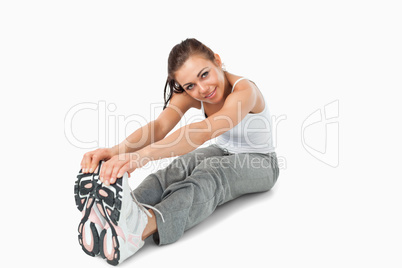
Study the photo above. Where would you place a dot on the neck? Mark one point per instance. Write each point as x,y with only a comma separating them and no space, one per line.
228,87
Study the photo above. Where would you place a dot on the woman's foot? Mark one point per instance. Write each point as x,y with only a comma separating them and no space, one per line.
92,223
125,218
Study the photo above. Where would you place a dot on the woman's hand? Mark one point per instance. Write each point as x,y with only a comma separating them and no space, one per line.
118,165
90,161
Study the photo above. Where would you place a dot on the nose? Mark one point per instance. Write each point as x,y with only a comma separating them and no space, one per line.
203,88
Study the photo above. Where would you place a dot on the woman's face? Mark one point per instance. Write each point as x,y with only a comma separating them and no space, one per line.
202,79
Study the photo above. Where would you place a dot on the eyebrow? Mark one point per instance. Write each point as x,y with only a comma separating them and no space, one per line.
197,75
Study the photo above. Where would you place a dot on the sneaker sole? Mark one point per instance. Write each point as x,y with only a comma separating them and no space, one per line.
109,202
84,192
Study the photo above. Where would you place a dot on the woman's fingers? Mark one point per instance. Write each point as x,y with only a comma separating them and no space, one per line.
106,171
82,165
113,169
86,162
123,170
114,176
90,161
94,162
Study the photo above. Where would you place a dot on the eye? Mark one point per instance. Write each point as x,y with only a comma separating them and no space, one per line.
190,87
204,74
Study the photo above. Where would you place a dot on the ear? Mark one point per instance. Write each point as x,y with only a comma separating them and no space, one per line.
218,60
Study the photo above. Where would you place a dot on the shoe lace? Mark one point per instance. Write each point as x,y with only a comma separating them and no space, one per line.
144,206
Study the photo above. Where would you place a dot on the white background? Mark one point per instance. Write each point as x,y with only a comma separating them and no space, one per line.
303,55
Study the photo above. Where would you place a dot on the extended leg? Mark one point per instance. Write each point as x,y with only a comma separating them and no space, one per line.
213,182
150,191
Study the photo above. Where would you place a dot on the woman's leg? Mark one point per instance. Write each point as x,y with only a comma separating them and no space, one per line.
215,181
150,191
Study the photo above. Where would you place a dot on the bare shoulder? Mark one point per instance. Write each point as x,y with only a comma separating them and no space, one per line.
249,88
242,84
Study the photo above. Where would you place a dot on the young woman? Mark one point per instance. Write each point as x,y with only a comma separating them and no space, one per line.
115,222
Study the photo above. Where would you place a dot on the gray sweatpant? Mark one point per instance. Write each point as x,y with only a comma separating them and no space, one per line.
188,190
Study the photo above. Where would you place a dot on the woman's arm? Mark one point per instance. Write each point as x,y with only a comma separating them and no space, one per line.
144,136
152,132
184,140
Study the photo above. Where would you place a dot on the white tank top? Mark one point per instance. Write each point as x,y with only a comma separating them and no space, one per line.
252,135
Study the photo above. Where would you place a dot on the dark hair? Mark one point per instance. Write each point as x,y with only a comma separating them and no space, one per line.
177,57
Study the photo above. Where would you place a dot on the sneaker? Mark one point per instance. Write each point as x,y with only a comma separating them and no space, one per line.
125,218
92,222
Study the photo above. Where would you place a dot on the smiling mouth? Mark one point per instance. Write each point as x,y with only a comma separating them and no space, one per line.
211,94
